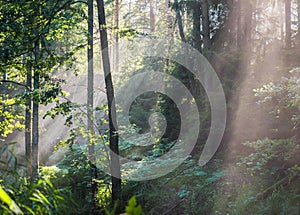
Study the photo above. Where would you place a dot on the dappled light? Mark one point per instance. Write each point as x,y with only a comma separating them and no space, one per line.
150,107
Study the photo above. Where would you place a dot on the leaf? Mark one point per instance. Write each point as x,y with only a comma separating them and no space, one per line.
200,173
132,202
132,207
4,197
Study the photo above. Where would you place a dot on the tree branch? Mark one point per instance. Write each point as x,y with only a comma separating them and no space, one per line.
16,83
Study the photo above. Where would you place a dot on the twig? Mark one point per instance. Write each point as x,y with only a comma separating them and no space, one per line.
16,83
175,206
283,182
95,125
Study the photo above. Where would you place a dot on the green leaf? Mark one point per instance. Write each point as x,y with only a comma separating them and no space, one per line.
132,207
200,173
4,197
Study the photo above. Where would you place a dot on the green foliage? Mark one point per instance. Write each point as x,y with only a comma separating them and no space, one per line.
266,181
270,156
9,162
133,208
35,39
284,98
19,195
4,197
33,198
11,116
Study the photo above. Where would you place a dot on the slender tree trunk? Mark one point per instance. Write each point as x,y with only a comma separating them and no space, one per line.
168,17
28,148
130,9
196,26
247,34
152,17
117,36
288,32
90,103
239,25
298,10
247,24
35,128
90,89
113,128
282,20
205,24
179,21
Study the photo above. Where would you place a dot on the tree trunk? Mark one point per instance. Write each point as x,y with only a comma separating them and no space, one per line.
247,34
90,84
90,103
247,24
28,148
196,26
179,20
117,36
169,23
205,24
152,17
239,27
298,10
35,128
113,129
288,32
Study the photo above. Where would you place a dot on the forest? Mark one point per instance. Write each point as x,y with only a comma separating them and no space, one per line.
159,107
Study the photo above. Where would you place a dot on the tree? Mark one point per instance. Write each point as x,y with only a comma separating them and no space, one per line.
288,30
239,27
90,102
179,21
197,42
298,13
90,88
113,129
35,114
205,24
30,43
117,34
152,17
28,119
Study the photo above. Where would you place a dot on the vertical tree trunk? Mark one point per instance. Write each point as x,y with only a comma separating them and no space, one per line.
90,84
90,103
28,148
196,26
35,128
288,34
239,27
298,10
282,21
113,129
117,36
179,20
247,24
197,43
168,17
205,24
152,17
247,33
